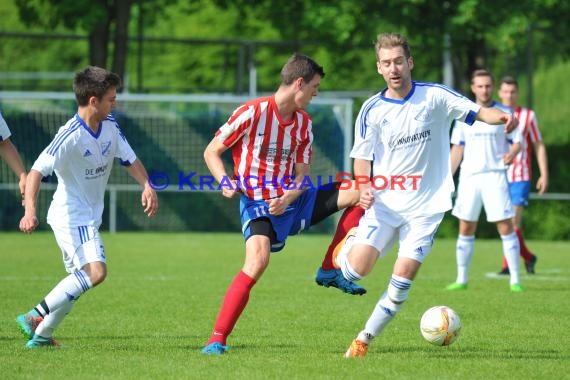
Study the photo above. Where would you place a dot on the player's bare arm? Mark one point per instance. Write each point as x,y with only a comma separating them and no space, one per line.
29,221
512,153
362,169
456,156
542,160
491,115
277,206
10,155
213,158
149,200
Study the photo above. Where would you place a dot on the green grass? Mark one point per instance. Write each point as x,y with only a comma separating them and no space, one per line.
549,103
157,307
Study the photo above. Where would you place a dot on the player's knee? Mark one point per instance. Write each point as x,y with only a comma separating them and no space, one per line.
97,278
255,263
255,268
505,227
360,258
97,274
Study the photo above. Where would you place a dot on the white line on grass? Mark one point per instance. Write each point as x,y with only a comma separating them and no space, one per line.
552,274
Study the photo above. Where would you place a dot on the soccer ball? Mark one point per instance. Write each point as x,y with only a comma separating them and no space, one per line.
440,325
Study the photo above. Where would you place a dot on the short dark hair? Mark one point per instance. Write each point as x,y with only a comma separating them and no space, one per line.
510,80
300,66
482,73
93,81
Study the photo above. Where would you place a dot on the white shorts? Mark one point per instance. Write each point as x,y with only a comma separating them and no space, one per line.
79,246
415,233
490,190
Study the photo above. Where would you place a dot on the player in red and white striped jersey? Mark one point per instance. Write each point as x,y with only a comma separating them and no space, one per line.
270,139
520,172
265,147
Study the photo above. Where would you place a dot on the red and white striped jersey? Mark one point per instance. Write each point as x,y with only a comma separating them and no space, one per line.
521,168
265,149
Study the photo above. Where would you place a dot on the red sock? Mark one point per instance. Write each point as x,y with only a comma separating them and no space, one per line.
349,219
235,300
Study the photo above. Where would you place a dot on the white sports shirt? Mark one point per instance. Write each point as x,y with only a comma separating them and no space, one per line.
4,130
484,144
82,162
410,137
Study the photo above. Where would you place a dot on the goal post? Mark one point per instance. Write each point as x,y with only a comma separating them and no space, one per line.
168,133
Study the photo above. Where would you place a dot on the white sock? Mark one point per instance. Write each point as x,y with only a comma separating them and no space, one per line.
348,271
463,254
398,288
382,314
511,250
52,320
365,337
68,290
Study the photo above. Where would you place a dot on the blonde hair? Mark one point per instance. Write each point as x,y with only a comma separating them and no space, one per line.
392,40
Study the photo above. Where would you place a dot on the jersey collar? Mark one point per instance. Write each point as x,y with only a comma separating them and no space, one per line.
84,125
398,101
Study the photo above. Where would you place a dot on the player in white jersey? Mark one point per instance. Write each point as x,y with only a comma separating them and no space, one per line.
81,155
519,173
271,143
403,132
10,155
486,151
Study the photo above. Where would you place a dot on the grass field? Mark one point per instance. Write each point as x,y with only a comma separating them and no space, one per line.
157,308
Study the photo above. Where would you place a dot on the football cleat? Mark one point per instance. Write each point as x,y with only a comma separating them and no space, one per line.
530,265
334,278
28,324
357,349
516,288
504,271
215,348
456,286
39,341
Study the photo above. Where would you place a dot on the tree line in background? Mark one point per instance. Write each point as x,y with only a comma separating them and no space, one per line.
340,33
180,46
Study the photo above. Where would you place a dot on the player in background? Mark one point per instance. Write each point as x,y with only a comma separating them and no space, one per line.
271,143
484,152
403,131
519,173
10,155
81,155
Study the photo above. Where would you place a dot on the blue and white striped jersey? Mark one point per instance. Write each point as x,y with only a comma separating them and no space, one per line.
409,138
484,145
82,162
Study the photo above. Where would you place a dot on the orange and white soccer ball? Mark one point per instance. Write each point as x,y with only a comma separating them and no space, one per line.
440,325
